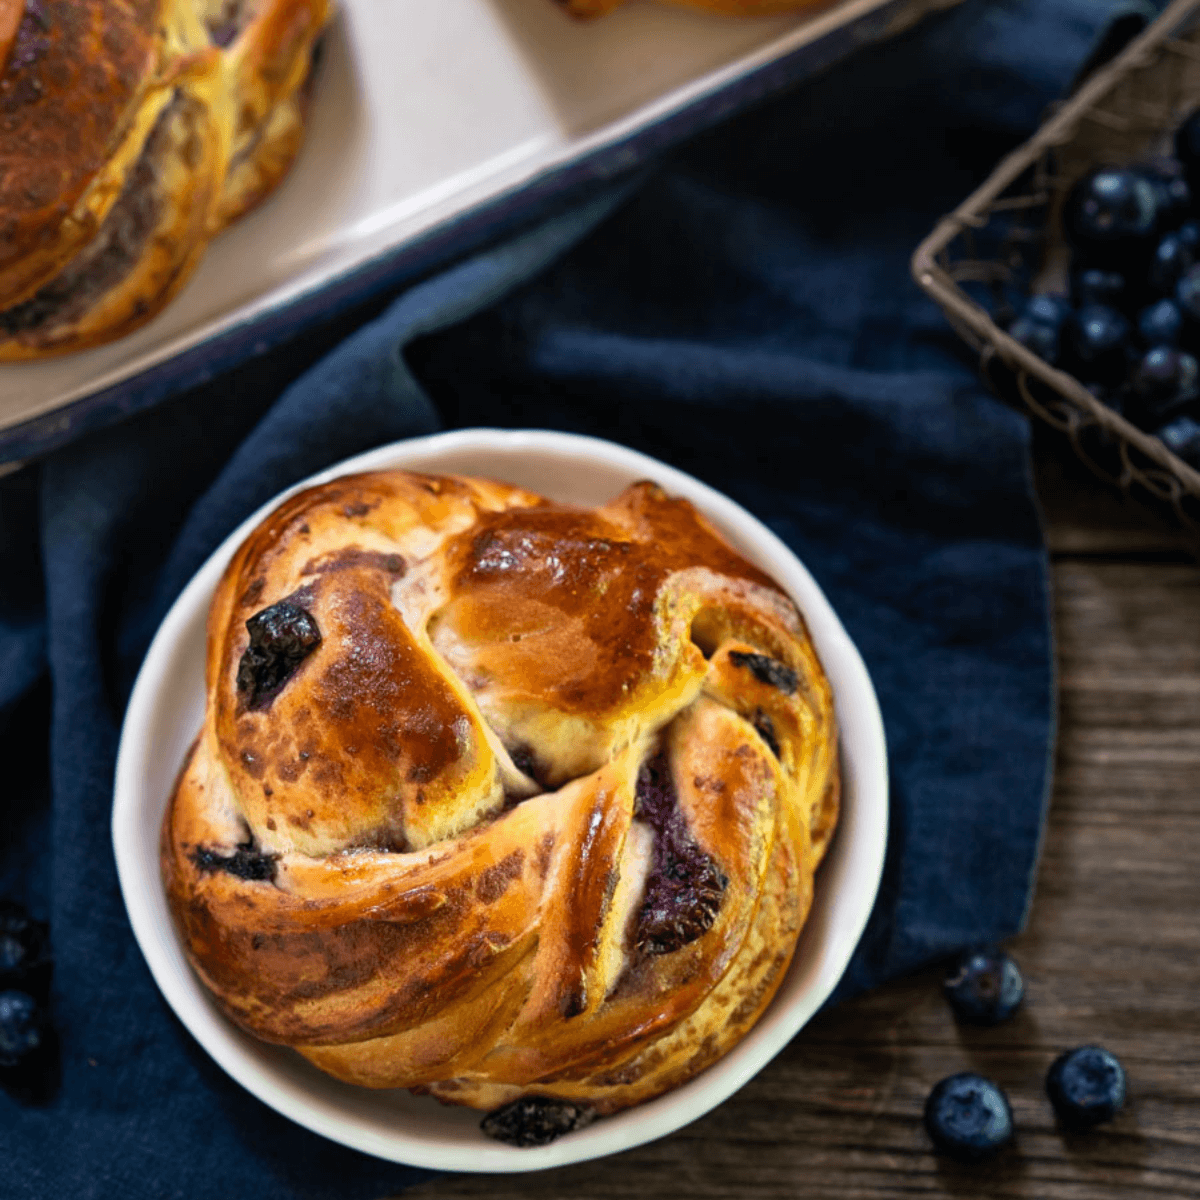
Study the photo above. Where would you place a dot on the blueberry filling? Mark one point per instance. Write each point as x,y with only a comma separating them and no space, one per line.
245,862
114,251
526,761
224,27
684,887
30,44
767,670
281,638
535,1121
766,730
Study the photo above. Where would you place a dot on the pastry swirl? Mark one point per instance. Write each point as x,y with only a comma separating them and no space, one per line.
496,797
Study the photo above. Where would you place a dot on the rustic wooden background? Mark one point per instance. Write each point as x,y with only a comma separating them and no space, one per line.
1112,953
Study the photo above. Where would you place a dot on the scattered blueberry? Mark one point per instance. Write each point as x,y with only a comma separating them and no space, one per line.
21,1027
1182,437
1172,260
1160,324
1086,1086
1190,232
25,961
535,1121
1165,380
968,1116
985,986
1112,215
1097,344
1096,286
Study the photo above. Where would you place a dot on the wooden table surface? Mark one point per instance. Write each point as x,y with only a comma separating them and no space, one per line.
1111,955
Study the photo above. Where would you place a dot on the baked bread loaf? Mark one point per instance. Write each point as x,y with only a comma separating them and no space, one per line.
130,135
498,798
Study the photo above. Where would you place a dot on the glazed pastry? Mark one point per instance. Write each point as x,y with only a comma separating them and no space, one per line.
133,133
500,799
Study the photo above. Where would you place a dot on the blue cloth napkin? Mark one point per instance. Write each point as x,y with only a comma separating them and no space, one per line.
742,309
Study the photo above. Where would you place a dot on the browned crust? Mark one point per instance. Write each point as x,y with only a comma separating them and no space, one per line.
145,250
65,106
11,12
487,954
63,174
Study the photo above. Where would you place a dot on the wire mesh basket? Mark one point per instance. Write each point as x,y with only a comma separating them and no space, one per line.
1007,236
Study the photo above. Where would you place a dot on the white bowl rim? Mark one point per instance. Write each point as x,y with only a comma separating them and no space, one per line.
251,1063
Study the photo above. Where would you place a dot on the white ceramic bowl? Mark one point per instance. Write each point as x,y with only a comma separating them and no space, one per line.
166,710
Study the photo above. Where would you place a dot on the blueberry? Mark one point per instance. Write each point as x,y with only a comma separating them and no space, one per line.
282,636
1165,380
1187,294
968,1116
1187,144
1038,324
1086,1086
1160,324
1097,344
1047,310
1097,286
1037,338
1112,215
21,1027
984,987
1172,260
1174,196
1182,437
1189,231
24,950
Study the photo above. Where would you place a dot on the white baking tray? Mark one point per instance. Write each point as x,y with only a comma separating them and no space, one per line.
424,114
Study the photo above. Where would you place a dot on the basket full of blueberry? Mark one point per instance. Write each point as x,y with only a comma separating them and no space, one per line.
1074,271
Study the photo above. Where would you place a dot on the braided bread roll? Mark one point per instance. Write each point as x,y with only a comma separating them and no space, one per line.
496,797
133,134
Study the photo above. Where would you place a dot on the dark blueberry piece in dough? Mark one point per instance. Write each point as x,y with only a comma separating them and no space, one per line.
766,730
684,887
281,638
767,670
535,1121
245,862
